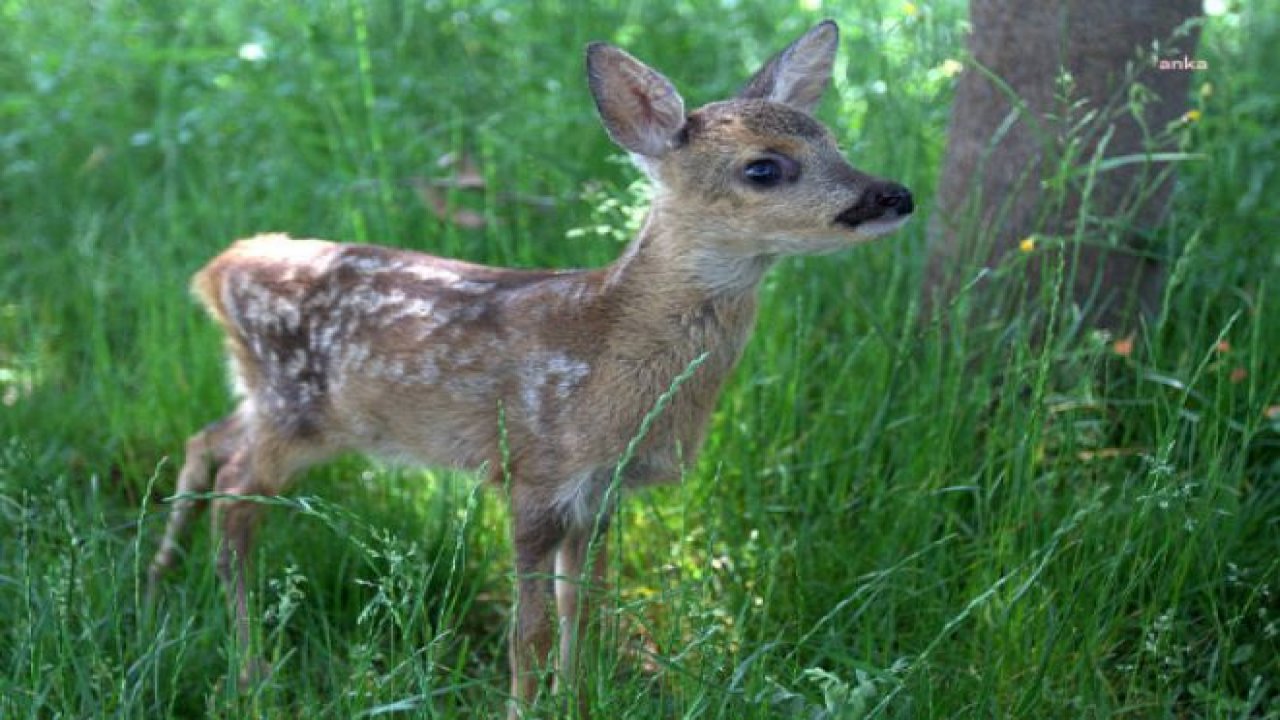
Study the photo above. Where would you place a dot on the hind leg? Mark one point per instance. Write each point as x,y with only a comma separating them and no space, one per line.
260,468
214,445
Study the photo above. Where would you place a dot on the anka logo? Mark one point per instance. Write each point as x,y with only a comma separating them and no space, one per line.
1182,63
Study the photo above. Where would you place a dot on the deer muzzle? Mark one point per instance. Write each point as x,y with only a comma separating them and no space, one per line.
880,201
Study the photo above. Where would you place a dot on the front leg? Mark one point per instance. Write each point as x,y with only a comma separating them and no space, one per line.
576,580
537,532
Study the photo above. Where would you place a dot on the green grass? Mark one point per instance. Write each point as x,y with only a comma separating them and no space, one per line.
886,522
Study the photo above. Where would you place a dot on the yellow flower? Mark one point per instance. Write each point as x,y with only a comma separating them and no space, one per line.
910,9
951,67
1028,244
1192,116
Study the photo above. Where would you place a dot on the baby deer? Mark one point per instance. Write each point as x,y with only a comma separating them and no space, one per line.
543,377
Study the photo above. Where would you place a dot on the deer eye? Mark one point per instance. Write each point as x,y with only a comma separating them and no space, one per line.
769,171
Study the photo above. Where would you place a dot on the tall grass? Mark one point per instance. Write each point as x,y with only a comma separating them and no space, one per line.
887,521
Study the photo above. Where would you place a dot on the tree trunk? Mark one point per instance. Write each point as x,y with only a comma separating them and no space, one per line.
1005,175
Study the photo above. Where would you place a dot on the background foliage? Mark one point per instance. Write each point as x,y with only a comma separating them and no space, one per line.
886,523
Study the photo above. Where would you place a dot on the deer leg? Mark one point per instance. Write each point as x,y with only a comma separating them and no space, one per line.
215,443
249,472
537,533
580,572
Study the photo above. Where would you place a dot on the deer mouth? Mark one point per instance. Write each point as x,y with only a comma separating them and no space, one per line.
882,208
872,229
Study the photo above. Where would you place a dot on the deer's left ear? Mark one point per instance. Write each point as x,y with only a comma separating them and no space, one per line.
798,75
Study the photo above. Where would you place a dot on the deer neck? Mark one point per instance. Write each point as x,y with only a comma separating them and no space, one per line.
681,295
668,252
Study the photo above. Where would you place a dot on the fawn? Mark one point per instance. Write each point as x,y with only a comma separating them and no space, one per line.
395,353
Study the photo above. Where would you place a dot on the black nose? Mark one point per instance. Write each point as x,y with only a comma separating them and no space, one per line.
892,196
883,200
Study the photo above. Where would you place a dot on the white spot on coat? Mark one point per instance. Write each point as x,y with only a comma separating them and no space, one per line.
556,372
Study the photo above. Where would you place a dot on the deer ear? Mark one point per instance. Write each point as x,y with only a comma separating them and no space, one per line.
798,75
640,108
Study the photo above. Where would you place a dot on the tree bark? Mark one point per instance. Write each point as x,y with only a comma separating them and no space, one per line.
1007,172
